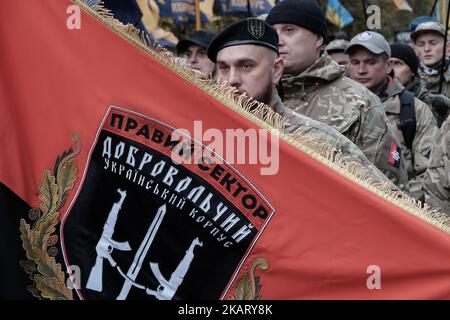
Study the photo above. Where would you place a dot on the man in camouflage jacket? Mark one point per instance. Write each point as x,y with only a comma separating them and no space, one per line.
371,64
436,182
250,62
406,67
429,43
317,87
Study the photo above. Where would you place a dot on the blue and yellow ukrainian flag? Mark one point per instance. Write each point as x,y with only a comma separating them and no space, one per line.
402,5
183,11
165,9
337,14
257,7
151,13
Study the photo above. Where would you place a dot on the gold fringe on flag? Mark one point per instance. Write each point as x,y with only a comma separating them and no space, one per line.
266,118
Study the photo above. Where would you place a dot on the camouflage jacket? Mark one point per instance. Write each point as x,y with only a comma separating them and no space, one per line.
416,158
321,132
436,182
439,103
324,93
431,83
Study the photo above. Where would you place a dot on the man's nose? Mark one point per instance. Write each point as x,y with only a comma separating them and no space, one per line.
234,78
193,59
281,42
362,68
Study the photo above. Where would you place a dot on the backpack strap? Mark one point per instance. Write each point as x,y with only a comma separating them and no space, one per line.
408,120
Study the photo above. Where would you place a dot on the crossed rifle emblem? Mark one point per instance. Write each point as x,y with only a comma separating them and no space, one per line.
105,246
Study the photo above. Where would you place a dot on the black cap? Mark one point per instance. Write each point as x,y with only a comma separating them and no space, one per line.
201,38
341,35
303,13
405,53
248,31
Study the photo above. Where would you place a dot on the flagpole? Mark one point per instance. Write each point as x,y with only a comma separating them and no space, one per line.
445,48
198,22
365,9
433,8
442,9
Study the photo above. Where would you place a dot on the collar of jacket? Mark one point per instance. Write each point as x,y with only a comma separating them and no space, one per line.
415,87
324,70
276,104
392,87
392,101
434,78
434,70
381,90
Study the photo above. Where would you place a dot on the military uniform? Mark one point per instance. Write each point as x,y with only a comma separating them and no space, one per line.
436,182
431,82
417,158
257,33
324,133
439,103
338,45
324,93
430,76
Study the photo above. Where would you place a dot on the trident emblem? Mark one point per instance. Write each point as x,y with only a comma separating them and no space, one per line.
255,27
142,253
166,288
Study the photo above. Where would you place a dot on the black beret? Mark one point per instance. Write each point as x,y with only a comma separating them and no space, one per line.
201,38
248,31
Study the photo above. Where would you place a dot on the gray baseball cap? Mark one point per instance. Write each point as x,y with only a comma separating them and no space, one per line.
372,41
338,45
428,27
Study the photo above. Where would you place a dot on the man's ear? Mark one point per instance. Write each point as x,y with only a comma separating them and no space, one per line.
278,67
319,42
389,65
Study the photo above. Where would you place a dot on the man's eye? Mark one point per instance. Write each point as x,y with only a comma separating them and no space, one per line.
246,66
223,68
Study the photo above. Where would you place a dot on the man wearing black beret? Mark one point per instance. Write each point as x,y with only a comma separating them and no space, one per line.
194,50
246,54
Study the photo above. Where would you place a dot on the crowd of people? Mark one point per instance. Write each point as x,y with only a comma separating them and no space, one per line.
386,103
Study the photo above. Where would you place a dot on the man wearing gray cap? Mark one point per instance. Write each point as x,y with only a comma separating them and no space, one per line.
336,50
316,86
429,43
409,118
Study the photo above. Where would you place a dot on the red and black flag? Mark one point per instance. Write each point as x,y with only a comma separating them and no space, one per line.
92,123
